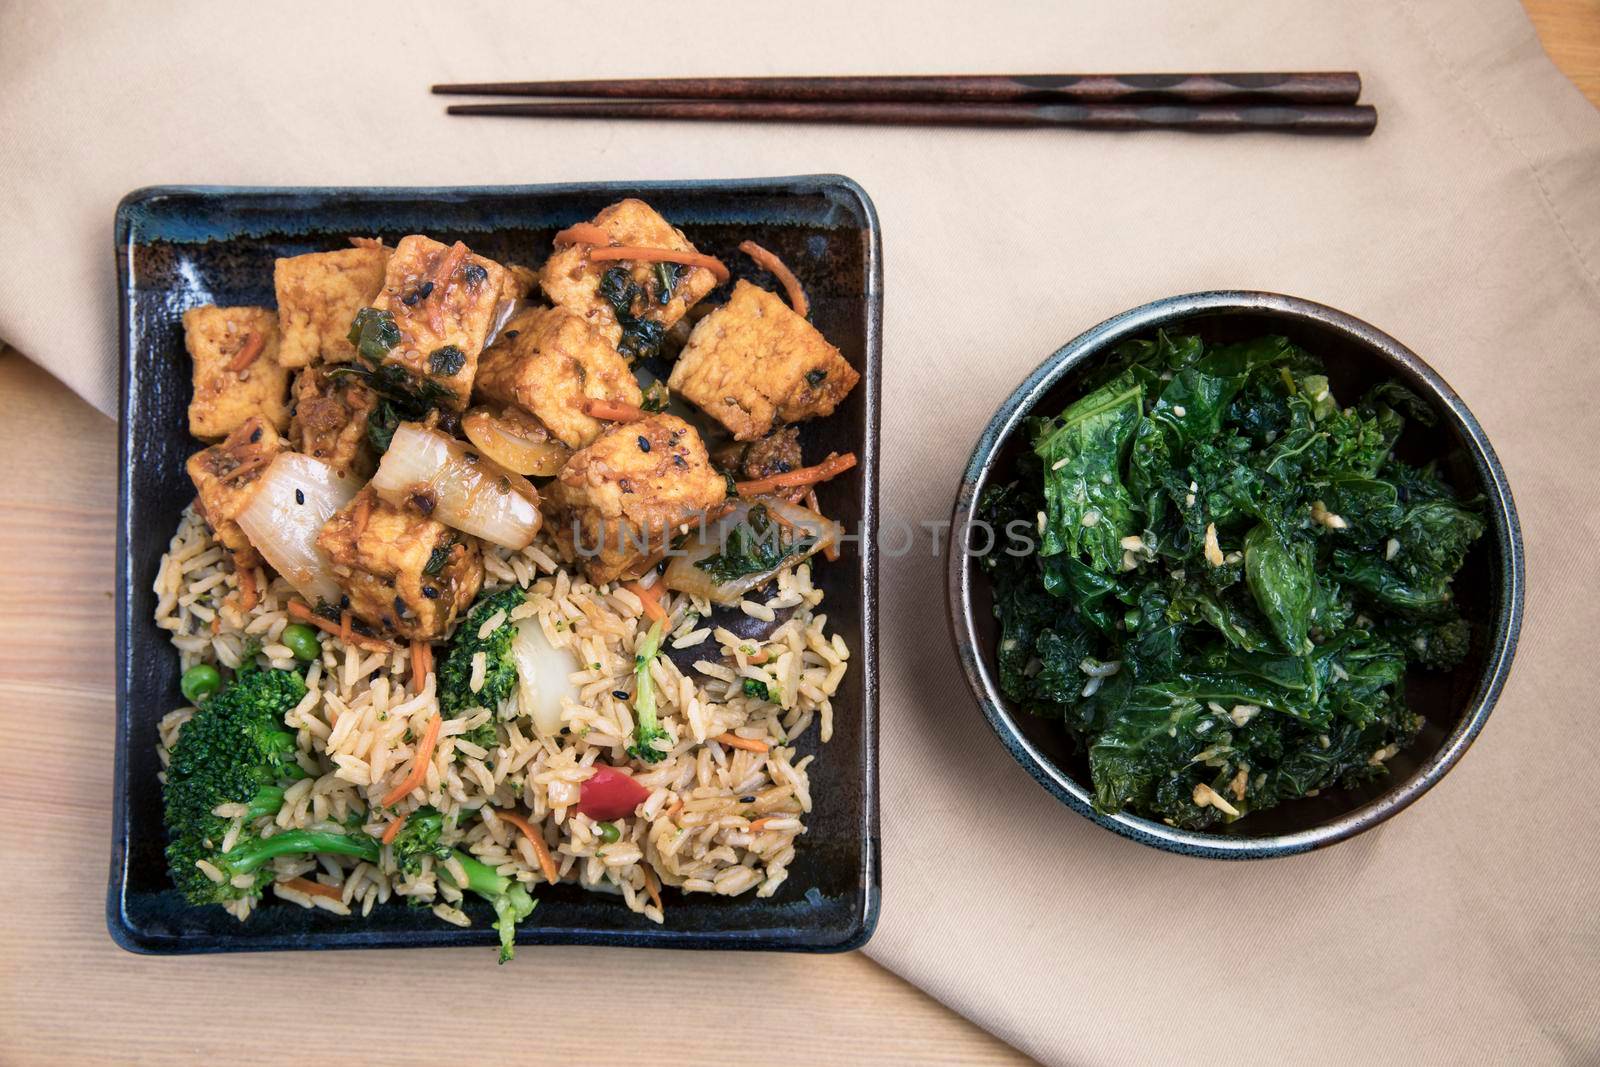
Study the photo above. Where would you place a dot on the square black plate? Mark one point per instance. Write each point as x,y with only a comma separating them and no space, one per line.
178,247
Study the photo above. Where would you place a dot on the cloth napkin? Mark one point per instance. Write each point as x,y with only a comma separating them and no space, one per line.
1468,226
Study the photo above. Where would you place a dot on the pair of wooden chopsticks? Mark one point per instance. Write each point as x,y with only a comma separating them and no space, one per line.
1210,103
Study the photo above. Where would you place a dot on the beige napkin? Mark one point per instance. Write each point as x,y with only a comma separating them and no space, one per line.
1469,227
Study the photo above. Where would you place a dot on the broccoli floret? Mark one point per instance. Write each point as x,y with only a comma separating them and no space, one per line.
1441,647
647,727
419,838
500,675
236,751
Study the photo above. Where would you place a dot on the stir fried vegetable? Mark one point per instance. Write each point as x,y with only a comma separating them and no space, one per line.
1231,574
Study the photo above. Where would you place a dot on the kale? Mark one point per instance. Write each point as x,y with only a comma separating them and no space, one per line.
1215,576
754,545
641,337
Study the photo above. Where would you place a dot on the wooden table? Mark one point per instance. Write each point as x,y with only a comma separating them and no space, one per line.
68,995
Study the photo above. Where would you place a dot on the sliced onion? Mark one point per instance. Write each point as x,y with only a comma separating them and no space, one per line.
544,677
469,492
296,496
503,313
684,576
516,441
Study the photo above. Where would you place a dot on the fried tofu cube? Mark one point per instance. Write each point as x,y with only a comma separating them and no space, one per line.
330,420
521,281
318,295
225,479
404,572
236,369
444,301
547,362
572,282
753,364
617,504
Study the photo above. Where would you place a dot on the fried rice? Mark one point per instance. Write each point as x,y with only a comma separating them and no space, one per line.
723,816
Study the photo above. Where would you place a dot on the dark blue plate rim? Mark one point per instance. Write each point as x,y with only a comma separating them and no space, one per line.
864,918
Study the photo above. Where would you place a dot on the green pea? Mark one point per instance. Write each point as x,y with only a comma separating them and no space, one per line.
609,832
199,682
302,641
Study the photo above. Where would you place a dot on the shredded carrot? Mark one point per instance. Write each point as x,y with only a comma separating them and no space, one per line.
757,825
612,410
661,255
254,342
791,285
831,467
547,862
419,763
216,625
583,233
249,597
344,626
306,885
652,887
675,807
651,598
300,611
735,741
759,658
392,831
419,669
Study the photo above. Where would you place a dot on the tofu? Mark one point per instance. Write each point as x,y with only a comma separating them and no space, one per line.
224,398
521,281
318,295
225,480
572,282
441,296
617,504
380,556
753,364
547,362
330,420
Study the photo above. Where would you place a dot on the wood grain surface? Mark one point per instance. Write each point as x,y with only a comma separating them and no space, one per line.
68,995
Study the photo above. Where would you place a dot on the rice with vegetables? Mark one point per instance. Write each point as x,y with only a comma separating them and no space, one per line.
449,685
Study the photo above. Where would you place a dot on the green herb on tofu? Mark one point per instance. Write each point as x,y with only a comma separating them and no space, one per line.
1224,576
656,397
754,545
500,670
666,280
641,336
374,333
236,751
401,397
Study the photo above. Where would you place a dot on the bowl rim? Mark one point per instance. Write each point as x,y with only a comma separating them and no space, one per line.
1500,510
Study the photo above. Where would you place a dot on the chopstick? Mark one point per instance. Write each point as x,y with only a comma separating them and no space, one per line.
1321,88
1355,120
